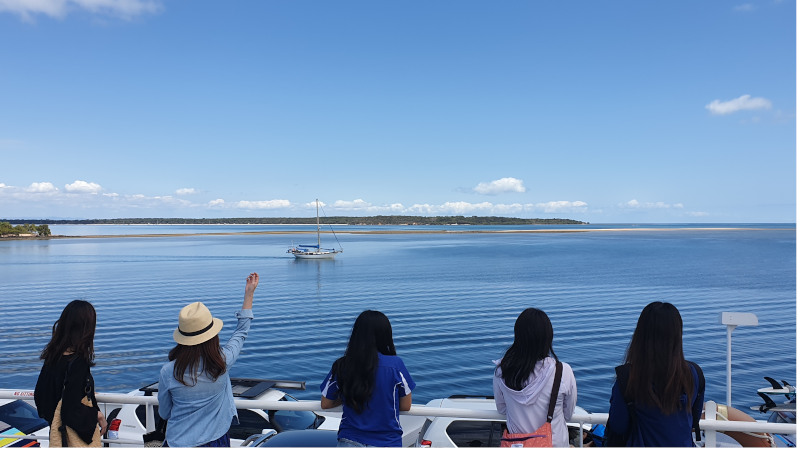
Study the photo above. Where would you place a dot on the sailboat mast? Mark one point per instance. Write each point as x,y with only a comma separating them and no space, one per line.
319,247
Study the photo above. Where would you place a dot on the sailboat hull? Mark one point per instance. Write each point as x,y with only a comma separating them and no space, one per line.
314,255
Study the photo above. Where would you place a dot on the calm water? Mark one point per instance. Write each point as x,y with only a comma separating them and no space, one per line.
452,299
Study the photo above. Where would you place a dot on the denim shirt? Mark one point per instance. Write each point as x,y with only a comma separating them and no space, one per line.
201,413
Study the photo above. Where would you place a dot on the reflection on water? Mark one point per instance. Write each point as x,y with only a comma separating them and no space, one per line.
452,300
314,267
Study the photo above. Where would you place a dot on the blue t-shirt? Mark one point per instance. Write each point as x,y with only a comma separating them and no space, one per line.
379,422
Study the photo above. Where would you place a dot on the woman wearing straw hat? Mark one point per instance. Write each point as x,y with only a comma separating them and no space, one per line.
194,389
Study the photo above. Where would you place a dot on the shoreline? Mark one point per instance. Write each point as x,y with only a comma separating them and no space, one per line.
404,232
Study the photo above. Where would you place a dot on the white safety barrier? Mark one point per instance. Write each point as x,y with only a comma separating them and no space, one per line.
708,425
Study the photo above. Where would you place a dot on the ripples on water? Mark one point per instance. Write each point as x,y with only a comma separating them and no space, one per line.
452,300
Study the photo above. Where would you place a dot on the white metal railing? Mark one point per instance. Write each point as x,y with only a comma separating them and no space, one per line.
47,438
710,424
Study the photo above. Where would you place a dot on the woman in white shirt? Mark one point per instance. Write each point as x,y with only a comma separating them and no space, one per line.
523,380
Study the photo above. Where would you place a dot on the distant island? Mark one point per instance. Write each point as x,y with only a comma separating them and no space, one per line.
335,220
24,229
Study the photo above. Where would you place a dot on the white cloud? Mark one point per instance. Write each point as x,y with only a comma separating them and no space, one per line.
745,102
355,204
698,214
745,7
561,206
123,9
50,198
487,208
463,209
43,187
635,204
186,191
396,207
83,187
158,201
361,206
314,204
263,204
508,209
500,186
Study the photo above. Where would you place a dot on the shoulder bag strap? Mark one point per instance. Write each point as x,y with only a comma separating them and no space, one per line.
554,393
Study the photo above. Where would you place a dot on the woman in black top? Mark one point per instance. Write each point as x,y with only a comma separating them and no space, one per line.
64,392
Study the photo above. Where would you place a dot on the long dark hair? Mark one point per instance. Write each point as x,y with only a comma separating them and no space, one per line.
355,371
72,332
659,374
188,358
533,342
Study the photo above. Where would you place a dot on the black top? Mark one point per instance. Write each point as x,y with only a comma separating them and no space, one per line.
69,379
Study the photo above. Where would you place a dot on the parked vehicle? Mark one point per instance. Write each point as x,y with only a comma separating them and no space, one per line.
133,418
294,438
19,418
464,432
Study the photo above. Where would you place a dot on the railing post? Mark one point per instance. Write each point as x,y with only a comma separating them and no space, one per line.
711,414
149,418
732,320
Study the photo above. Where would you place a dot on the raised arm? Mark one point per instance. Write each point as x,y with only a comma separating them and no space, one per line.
249,289
234,345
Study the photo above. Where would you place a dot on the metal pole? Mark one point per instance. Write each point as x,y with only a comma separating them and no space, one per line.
711,414
730,339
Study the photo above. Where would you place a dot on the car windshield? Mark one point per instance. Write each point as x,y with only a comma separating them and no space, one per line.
21,416
294,420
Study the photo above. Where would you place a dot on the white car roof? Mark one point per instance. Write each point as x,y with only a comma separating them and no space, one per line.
480,403
476,403
246,388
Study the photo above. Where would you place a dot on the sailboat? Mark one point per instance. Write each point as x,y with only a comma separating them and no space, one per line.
314,251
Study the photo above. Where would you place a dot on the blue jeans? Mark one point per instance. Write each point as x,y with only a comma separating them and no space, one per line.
222,441
344,442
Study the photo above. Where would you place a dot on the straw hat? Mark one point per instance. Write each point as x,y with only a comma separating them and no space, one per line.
196,325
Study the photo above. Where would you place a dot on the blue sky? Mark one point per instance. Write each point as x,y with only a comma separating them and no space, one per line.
602,111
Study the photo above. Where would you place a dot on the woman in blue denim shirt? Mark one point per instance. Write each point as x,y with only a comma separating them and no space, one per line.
194,389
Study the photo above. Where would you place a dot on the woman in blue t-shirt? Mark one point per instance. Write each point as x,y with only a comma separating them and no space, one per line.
658,396
371,383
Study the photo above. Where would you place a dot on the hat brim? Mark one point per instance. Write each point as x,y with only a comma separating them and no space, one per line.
200,338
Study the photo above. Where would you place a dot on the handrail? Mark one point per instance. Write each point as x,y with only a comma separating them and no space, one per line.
421,410
36,437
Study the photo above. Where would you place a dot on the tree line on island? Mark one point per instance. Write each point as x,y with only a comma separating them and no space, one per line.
334,220
25,229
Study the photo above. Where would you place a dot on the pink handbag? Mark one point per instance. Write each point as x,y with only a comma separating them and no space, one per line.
542,437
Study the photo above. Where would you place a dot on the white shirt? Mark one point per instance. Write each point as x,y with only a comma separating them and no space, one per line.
526,410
